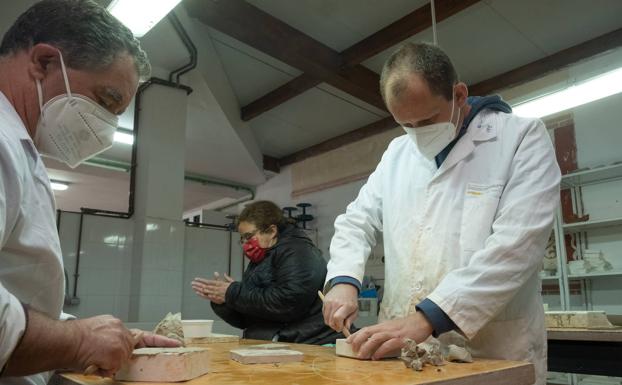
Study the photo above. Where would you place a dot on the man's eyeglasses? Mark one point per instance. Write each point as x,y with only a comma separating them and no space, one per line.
244,237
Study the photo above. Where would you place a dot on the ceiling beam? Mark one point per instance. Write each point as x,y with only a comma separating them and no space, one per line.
517,76
549,64
271,164
341,140
413,23
393,34
262,31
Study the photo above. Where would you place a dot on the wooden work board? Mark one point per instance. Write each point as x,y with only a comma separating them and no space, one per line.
322,366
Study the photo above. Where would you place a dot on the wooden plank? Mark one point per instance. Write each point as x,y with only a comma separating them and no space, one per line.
271,164
278,96
612,335
396,32
514,77
321,366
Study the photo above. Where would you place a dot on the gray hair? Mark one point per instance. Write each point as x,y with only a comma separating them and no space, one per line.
426,60
87,35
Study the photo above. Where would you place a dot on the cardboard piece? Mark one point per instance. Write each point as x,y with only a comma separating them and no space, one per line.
165,365
265,356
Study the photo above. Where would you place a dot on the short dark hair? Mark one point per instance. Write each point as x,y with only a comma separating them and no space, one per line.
426,60
87,35
263,214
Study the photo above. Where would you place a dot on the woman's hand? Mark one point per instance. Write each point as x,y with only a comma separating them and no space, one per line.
213,290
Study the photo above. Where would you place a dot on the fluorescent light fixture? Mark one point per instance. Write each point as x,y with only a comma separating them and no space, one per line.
141,15
123,137
599,87
60,186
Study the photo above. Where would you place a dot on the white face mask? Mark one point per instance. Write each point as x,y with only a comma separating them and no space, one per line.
433,138
73,128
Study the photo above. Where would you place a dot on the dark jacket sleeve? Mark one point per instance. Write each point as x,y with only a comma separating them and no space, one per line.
228,315
298,273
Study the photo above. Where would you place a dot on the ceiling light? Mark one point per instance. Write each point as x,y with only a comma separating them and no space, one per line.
599,87
123,137
60,186
141,15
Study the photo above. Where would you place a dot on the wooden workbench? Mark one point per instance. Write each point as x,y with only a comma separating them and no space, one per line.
585,351
321,366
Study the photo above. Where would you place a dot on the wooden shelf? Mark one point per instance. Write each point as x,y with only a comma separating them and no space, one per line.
611,273
593,175
589,225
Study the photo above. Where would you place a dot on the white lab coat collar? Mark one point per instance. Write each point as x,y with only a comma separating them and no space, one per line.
481,129
19,129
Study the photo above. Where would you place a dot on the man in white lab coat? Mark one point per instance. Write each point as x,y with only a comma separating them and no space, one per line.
465,203
67,69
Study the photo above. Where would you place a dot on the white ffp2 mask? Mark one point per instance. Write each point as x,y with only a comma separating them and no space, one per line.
73,128
433,138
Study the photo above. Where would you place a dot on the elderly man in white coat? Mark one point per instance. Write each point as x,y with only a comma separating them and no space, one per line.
465,202
67,69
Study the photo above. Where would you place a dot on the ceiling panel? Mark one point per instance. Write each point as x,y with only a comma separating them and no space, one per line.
554,25
306,120
479,42
250,76
338,23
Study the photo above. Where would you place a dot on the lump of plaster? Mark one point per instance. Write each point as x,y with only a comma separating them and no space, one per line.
171,327
416,356
458,354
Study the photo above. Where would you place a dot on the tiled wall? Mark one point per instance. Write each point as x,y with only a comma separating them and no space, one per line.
105,260
207,251
157,269
109,282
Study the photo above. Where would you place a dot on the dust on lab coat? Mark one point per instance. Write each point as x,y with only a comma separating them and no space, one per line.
469,235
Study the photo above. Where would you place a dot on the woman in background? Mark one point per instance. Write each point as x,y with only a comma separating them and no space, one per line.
277,298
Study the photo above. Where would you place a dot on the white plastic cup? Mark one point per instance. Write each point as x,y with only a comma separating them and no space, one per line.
197,328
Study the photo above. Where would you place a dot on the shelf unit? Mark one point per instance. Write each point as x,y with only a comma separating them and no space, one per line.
575,181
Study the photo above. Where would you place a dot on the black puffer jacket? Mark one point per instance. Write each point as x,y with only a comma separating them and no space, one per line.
279,294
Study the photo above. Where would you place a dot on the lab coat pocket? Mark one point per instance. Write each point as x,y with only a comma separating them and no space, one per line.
478,213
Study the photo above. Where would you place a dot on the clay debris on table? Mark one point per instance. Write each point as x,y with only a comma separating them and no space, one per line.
171,327
431,352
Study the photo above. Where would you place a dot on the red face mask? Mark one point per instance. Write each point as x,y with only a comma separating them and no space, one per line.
253,251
